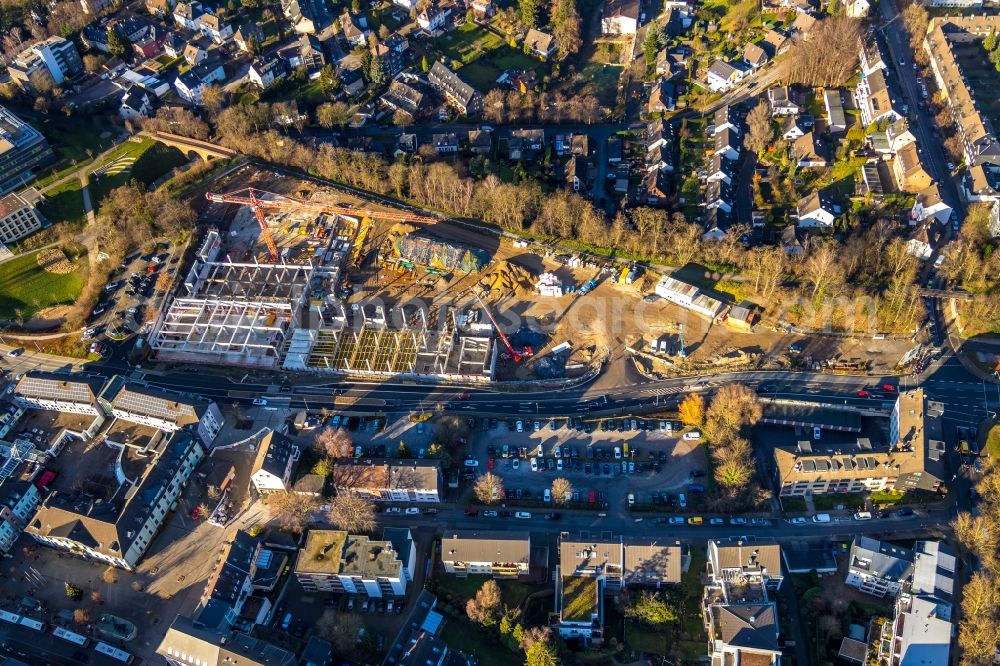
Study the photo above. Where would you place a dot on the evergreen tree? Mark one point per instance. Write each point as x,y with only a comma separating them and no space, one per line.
528,12
423,64
118,44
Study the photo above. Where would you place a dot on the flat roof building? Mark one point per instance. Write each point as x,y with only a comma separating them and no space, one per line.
23,149
500,554
18,216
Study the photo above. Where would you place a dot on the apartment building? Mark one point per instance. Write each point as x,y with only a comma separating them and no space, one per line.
276,459
951,45
22,150
54,58
18,216
586,570
878,567
189,642
875,100
909,461
19,498
498,554
389,480
113,518
231,583
60,392
335,561
652,562
921,629
163,410
741,620
459,94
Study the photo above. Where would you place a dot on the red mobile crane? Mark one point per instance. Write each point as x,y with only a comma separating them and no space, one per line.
252,197
517,356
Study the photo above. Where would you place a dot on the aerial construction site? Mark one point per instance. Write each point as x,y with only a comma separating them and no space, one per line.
293,276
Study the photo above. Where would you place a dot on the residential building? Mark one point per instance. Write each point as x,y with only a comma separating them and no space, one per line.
55,58
921,630
910,461
896,135
857,8
741,620
523,142
137,102
794,127
264,72
194,53
586,569
909,171
459,94
661,158
719,168
95,37
688,296
160,409
662,98
248,37
193,82
620,17
480,141
306,52
405,98
878,567
353,33
876,102
389,480
446,142
923,240
391,58
215,28
723,75
950,44
498,554
654,188
19,498
174,45
808,151
318,652
483,9
59,392
817,210
803,25
114,519
188,15
727,144
335,561
719,196
352,82
575,172
19,216
433,17
614,149
192,643
775,43
231,582
755,56
652,562
784,6
836,120
540,43
928,205
276,459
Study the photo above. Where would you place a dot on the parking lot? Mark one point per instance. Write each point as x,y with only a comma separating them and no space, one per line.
605,465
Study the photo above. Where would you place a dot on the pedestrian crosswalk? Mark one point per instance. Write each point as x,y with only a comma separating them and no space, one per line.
666,390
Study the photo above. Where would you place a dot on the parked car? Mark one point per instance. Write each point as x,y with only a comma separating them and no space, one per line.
692,434
822,518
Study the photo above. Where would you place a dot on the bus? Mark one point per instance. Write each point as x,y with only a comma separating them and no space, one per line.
7,616
114,653
31,623
70,636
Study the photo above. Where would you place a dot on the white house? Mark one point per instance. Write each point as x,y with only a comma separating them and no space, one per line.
816,211
878,567
263,73
136,103
193,82
688,296
19,498
929,204
389,480
160,409
620,17
59,392
215,28
274,463
727,144
857,8
433,18
188,14
722,76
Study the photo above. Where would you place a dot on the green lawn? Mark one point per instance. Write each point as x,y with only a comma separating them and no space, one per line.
25,288
152,160
512,592
793,504
831,501
462,635
642,638
469,42
65,203
604,80
77,137
482,56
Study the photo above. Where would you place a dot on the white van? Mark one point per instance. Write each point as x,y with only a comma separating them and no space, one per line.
822,518
631,499
692,434
547,495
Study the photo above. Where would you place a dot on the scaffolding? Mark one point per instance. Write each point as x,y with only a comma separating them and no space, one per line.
415,347
233,313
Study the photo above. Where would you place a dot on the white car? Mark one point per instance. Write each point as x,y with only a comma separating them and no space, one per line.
470,463
412,511
618,453
523,515
547,495
798,520
817,433
520,426
559,464
259,402
534,464
822,518
631,499
863,515
692,434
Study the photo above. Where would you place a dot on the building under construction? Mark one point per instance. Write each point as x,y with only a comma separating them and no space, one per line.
411,249
265,295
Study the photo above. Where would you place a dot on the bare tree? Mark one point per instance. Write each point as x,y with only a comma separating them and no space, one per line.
828,56
341,629
291,510
213,98
352,514
760,128
734,406
334,442
484,608
489,488
81,616
562,490
333,114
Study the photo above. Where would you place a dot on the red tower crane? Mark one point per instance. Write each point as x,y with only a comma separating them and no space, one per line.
517,356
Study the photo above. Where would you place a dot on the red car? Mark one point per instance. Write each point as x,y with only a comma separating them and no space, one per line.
490,463
864,394
472,512
888,388
196,513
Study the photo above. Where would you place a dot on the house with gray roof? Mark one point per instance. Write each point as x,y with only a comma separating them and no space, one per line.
161,409
189,642
878,567
59,392
499,554
276,459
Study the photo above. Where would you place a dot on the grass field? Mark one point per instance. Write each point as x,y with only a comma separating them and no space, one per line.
512,592
469,42
462,635
65,203
25,288
152,160
483,55
579,598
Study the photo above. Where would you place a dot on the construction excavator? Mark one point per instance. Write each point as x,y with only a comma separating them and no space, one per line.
259,200
511,353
